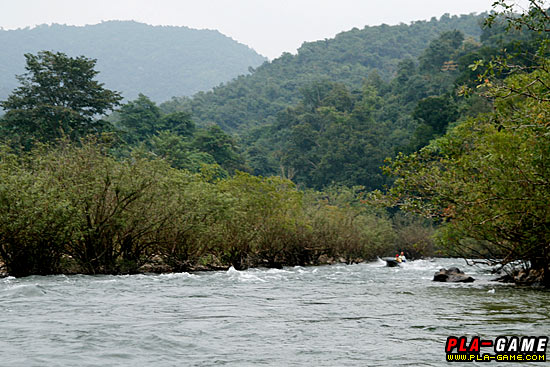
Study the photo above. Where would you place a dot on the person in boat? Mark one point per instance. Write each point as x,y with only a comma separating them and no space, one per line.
398,258
402,257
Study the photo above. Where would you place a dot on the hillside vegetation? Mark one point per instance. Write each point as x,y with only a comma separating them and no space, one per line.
348,58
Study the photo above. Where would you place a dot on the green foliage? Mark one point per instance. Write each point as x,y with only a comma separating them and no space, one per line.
347,145
174,137
259,220
335,135
433,115
256,99
352,230
487,179
33,220
58,96
179,123
220,146
178,151
339,135
158,61
486,185
75,208
436,112
414,235
140,119
441,50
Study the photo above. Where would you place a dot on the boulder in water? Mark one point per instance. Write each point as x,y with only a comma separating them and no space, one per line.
452,275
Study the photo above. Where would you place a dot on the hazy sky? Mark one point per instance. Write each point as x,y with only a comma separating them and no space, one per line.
269,26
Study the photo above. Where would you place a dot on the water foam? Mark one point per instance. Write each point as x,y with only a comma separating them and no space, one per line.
243,276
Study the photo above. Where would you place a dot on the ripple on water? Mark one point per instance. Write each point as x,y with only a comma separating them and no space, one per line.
23,291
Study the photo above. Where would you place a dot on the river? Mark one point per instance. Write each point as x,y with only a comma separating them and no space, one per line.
338,315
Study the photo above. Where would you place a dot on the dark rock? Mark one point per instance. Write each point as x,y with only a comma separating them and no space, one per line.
452,275
506,278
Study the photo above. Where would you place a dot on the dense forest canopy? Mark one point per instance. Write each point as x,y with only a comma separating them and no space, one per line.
348,58
340,134
159,61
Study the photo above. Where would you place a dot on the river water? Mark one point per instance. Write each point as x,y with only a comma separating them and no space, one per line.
338,315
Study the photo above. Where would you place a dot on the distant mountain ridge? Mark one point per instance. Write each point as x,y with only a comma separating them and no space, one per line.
132,57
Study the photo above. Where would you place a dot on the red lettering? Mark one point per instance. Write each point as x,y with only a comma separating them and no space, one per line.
474,345
452,342
462,346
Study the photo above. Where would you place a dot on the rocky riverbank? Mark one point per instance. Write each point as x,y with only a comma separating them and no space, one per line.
529,277
159,266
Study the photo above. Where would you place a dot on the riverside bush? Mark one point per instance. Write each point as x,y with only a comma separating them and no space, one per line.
75,208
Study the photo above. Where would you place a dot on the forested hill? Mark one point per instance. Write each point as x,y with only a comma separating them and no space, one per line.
158,61
348,58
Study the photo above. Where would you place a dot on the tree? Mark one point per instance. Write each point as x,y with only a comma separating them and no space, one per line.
433,115
219,145
140,118
440,50
179,123
58,96
177,151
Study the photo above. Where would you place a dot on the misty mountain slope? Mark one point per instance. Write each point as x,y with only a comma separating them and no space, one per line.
158,61
255,99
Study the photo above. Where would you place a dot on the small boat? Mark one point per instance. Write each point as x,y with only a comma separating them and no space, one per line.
391,261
